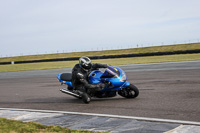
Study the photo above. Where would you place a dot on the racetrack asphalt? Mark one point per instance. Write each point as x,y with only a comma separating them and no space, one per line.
167,91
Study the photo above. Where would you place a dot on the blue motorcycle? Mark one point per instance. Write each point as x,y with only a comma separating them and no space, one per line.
113,75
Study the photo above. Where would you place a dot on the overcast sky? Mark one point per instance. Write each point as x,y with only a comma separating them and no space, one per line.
49,26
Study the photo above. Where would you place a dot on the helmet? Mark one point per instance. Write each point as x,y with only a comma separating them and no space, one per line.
85,63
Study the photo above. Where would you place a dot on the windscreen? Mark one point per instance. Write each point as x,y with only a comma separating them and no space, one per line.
111,72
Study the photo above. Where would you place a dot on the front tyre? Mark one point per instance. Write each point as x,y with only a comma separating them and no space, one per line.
129,92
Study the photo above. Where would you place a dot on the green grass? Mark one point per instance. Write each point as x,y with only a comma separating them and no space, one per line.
107,52
116,61
13,126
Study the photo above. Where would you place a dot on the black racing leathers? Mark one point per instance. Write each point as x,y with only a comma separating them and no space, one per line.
80,78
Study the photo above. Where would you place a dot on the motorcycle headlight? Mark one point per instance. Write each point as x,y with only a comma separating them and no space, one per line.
123,79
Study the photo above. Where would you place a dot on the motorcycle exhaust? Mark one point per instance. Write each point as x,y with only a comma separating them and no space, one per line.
63,90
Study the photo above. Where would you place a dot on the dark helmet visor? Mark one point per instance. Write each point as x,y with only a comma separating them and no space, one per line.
87,66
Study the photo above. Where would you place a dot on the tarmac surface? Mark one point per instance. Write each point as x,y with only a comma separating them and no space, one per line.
167,91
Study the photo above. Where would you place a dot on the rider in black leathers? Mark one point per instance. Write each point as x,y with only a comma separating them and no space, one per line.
80,74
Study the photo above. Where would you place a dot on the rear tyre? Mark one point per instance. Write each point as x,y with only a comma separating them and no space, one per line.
129,92
86,98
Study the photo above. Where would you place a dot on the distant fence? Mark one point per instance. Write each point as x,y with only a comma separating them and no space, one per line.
107,56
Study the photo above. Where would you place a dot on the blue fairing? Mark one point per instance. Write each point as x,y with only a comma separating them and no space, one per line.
68,83
65,82
114,75
58,76
126,84
95,77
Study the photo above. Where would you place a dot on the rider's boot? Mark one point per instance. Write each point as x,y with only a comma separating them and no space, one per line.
86,98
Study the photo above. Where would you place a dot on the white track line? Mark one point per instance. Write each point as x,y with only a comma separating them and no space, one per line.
107,115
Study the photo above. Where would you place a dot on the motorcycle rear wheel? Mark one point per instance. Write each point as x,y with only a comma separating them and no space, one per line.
129,92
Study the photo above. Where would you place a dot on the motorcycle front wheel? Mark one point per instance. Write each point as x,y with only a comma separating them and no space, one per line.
129,92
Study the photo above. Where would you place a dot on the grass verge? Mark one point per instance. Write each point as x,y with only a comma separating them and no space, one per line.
117,61
13,126
165,48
